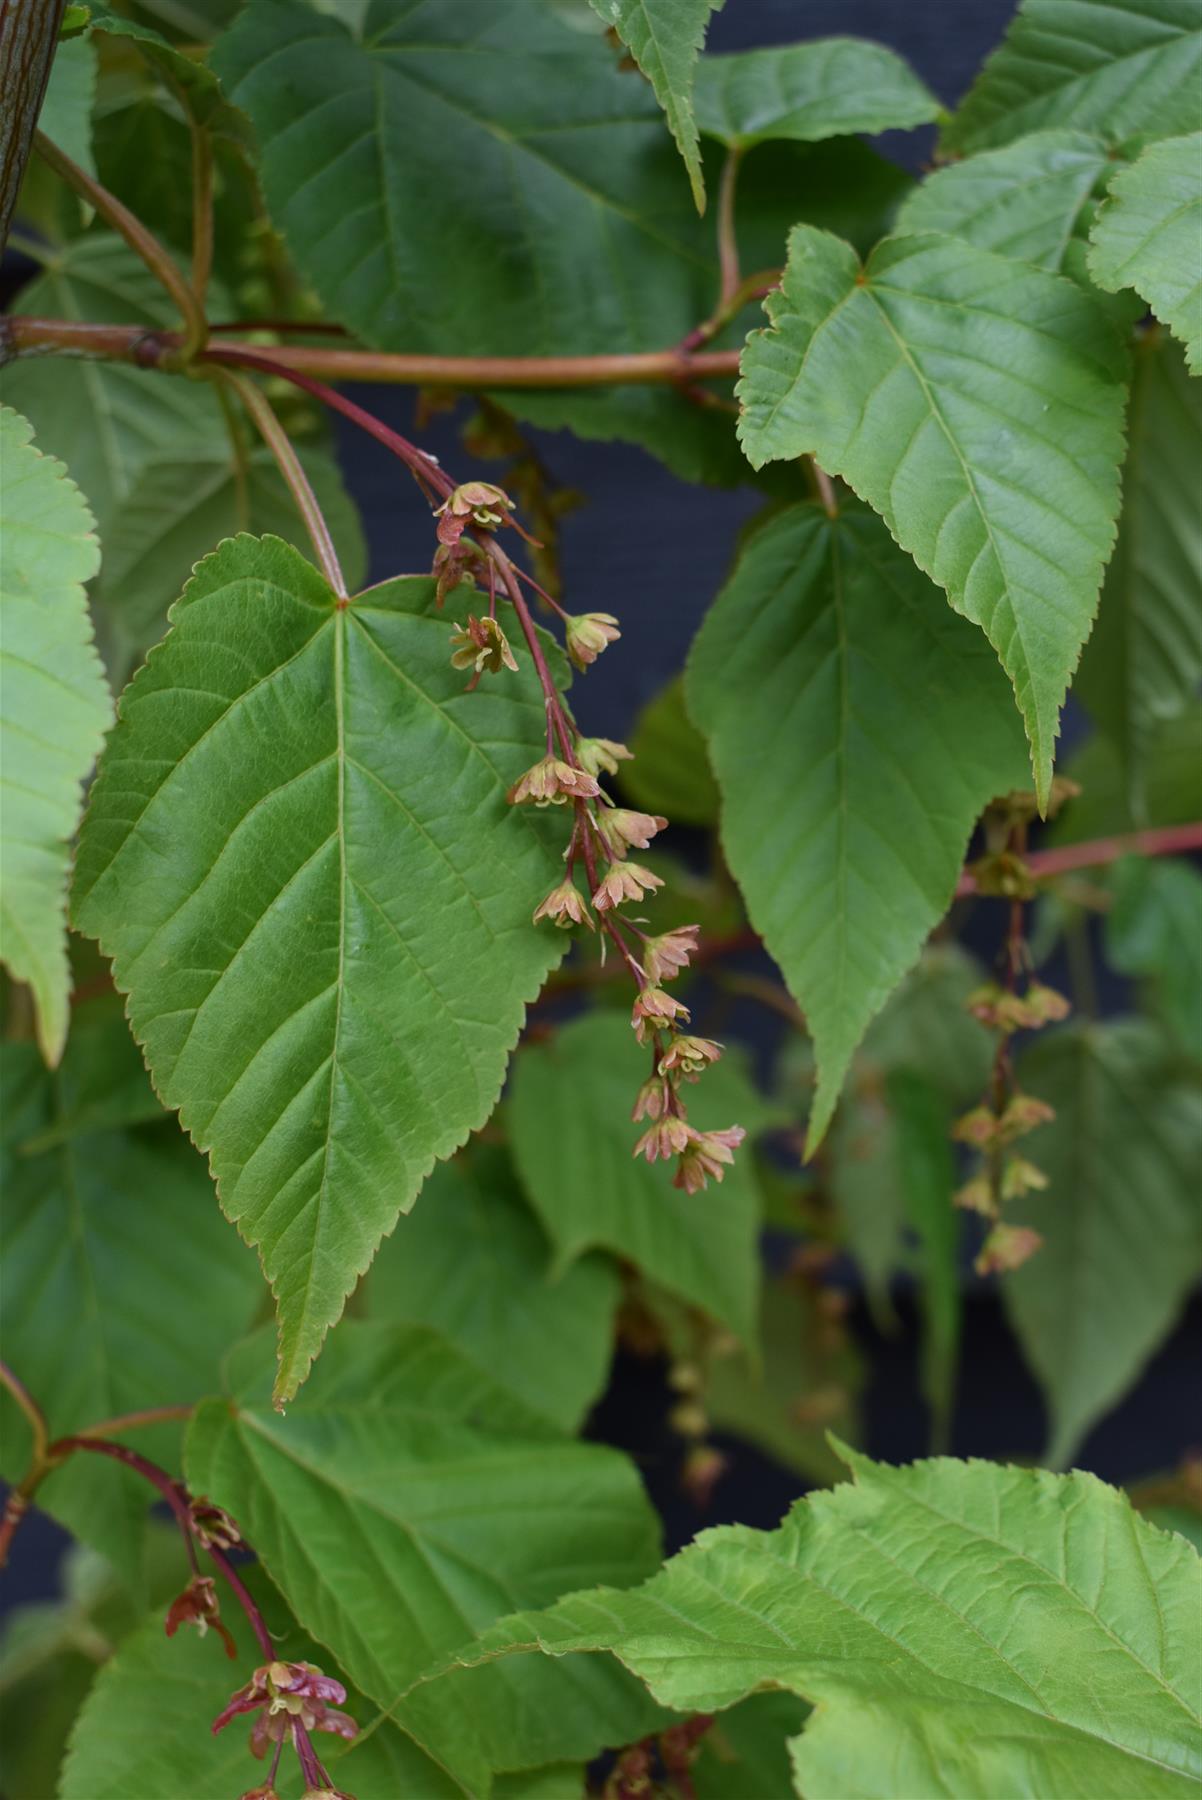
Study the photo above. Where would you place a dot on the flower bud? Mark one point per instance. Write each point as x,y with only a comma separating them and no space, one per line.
587,635
1007,1247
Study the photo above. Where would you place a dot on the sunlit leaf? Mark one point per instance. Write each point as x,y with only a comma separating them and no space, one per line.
977,404
54,708
664,37
328,968
829,87
1146,237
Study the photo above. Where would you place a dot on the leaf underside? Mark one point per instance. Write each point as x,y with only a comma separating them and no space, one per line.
299,855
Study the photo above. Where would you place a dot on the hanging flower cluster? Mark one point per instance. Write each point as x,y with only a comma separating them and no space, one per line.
289,1700
601,835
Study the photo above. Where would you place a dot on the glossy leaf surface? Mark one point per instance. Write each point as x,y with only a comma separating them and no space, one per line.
326,967
977,404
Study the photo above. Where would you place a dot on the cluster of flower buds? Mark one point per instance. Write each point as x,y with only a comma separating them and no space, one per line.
1006,1114
601,835
289,1700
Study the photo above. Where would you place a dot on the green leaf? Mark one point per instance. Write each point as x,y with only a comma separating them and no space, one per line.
798,1385
300,857
397,1508
977,404
66,115
1143,662
113,1233
927,1175
926,1030
961,1628
1146,237
54,710
664,37
1030,200
1120,1221
670,772
830,87
1174,783
588,1189
1099,65
1154,930
846,827
108,421
744,1755
551,168
190,80
185,503
472,1263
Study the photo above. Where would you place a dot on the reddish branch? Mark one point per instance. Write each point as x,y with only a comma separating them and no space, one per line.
1171,840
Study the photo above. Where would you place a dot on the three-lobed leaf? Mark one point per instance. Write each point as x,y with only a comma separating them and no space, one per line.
846,809
1147,235
830,87
300,857
1098,65
977,404
939,1617
1120,1221
54,709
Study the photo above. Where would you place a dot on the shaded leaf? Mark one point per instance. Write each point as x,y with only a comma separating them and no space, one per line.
664,37
113,1232
1147,234
977,404
66,115
1154,930
1142,664
472,1263
745,1752
287,777
54,709
942,1615
829,87
397,1507
1120,1220
847,813
589,1190
1098,65
670,772
927,1175
1173,783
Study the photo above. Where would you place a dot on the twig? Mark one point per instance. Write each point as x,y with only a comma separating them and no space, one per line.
1170,840
160,263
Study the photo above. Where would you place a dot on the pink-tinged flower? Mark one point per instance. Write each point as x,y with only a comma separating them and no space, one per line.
651,1101
690,1055
665,956
978,1127
587,635
266,1792
977,1196
198,1606
668,1137
1007,1247
212,1526
601,754
621,828
1023,1113
707,1156
1021,1177
474,503
283,1694
455,565
481,645
624,881
566,905
653,1010
553,782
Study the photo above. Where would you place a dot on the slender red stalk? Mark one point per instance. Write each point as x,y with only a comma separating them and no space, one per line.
1169,840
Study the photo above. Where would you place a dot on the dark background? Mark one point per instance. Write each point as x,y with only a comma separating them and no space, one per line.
654,550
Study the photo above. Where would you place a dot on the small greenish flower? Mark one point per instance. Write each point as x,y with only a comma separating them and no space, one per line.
588,634
483,645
